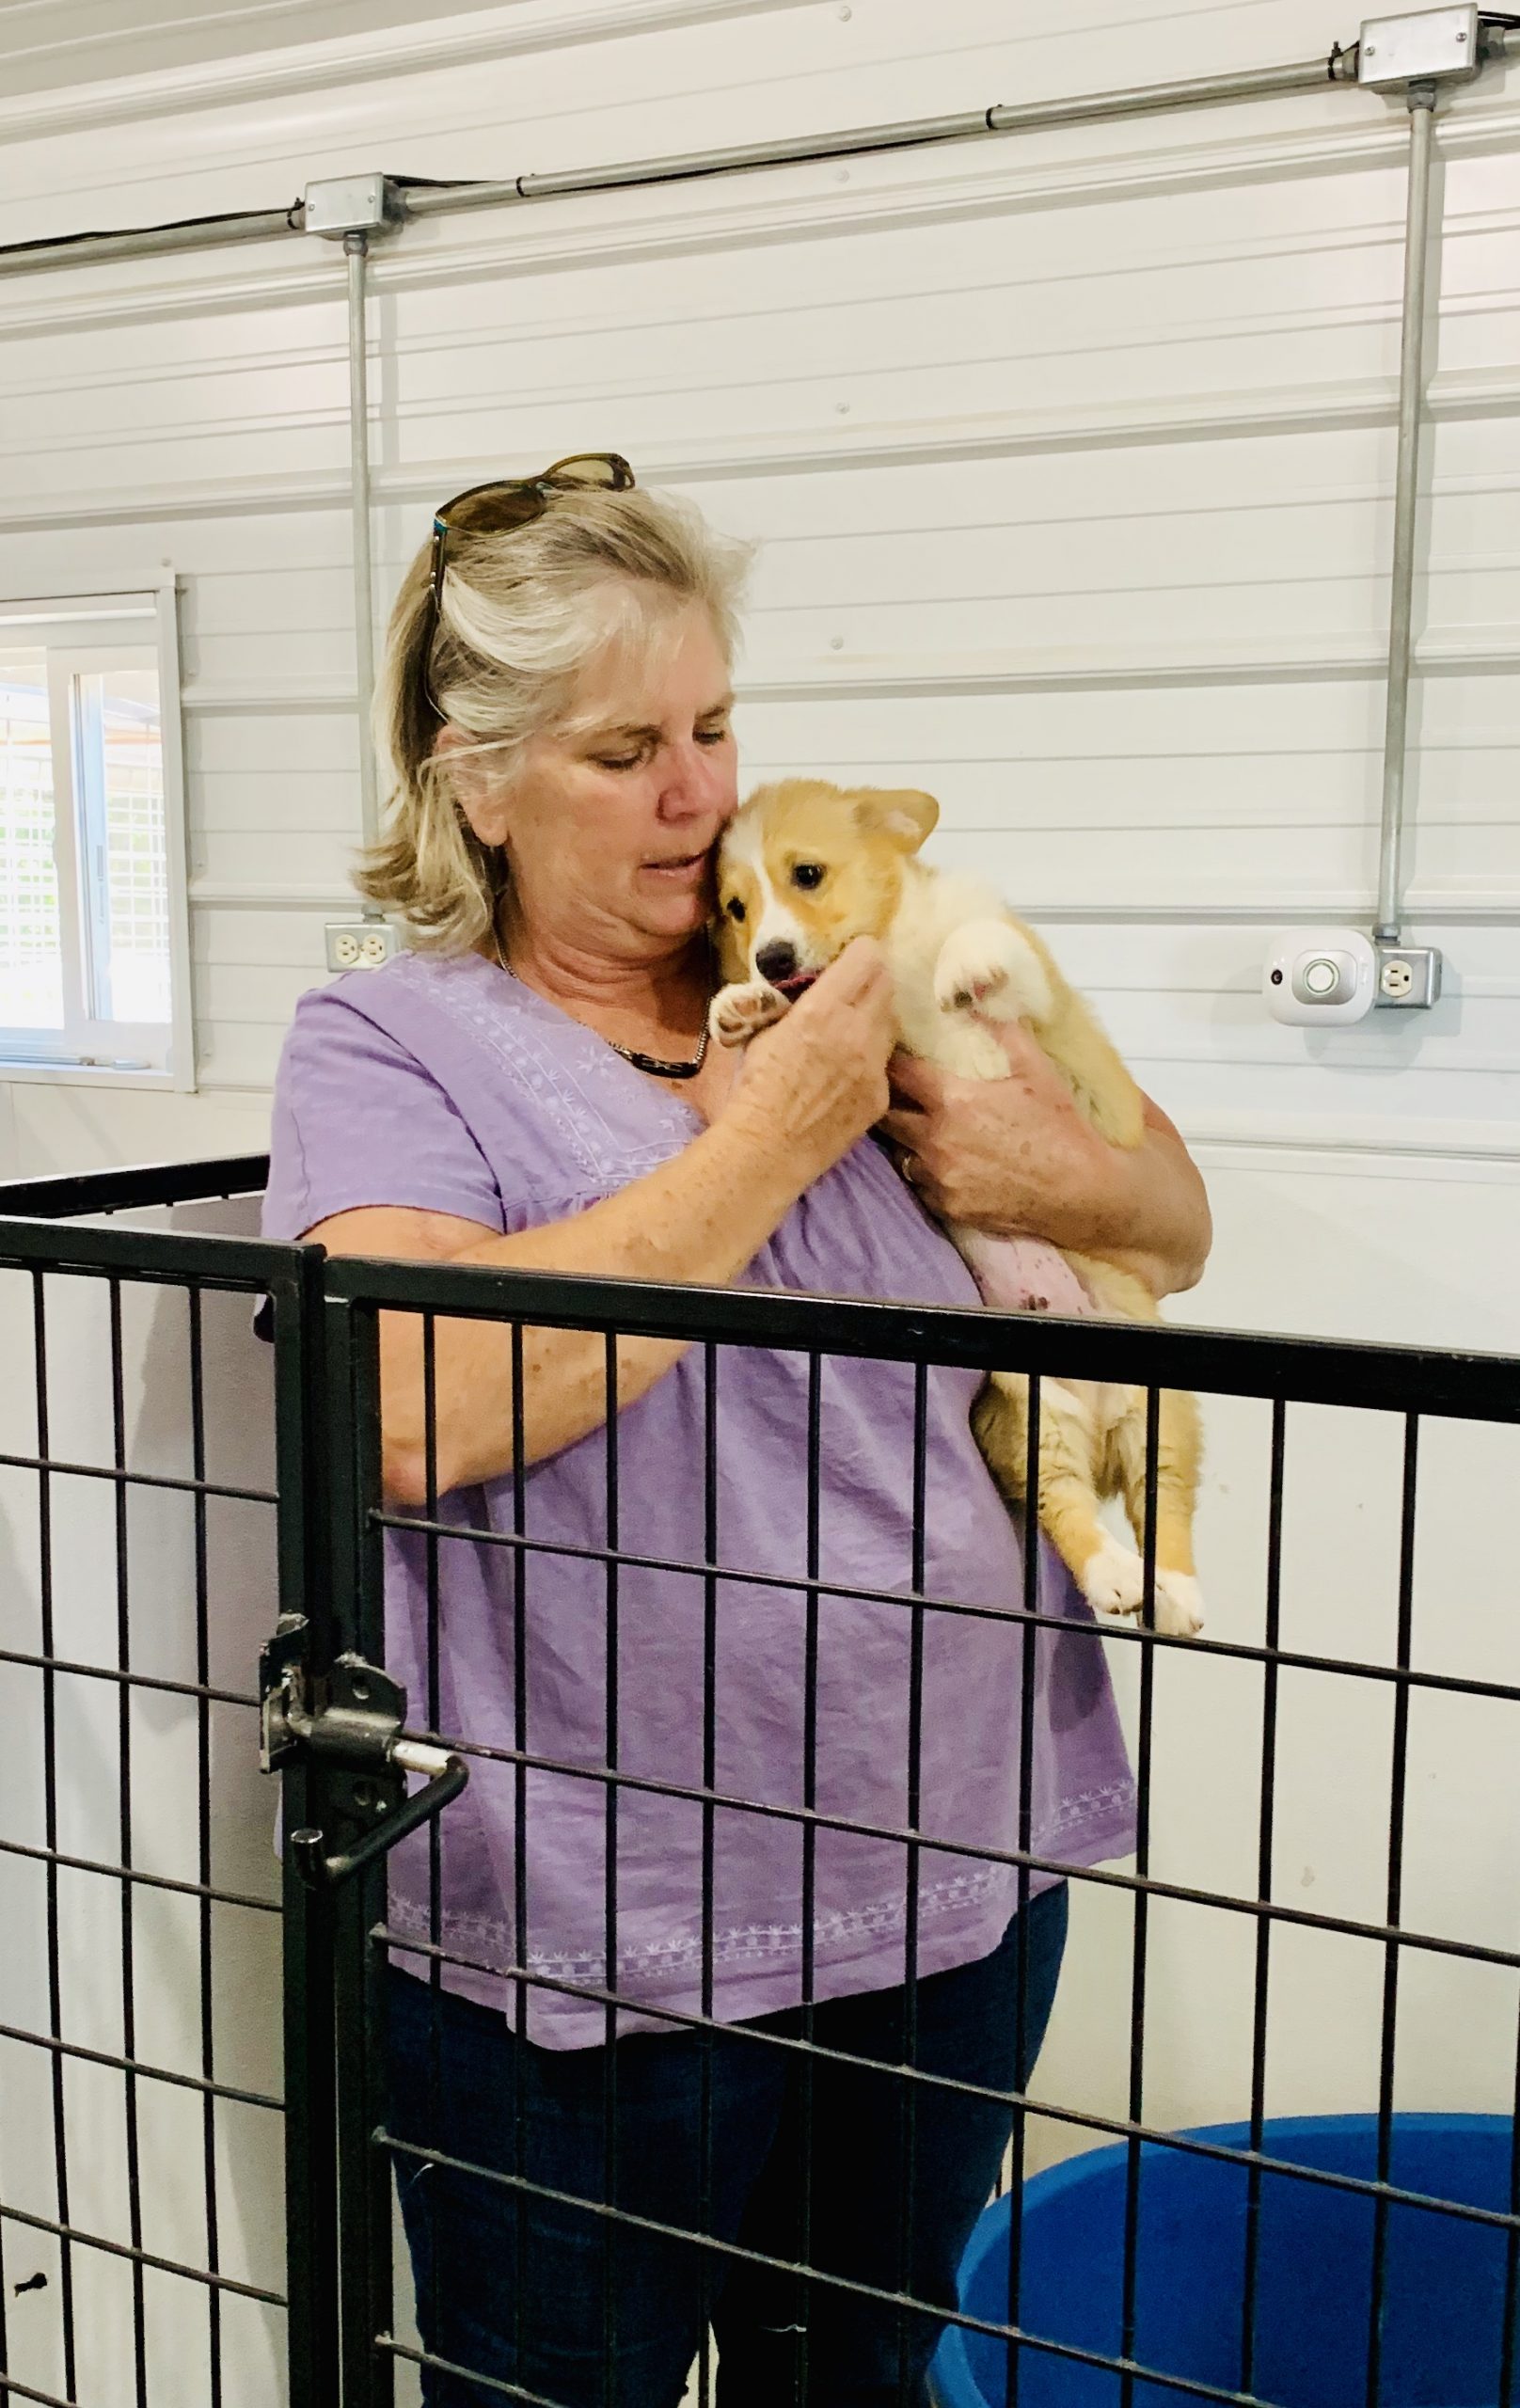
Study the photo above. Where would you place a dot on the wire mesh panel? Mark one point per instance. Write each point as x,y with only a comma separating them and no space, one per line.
697,2036
711,2012
152,1517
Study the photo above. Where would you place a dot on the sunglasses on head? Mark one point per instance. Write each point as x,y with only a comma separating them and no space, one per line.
496,509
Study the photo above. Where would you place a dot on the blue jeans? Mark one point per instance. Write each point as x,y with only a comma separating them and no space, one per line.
587,2311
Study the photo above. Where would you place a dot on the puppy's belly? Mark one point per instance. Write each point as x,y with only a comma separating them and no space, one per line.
1026,1275
1023,1274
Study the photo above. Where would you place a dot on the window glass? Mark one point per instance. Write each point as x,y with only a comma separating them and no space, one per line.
93,935
118,717
31,952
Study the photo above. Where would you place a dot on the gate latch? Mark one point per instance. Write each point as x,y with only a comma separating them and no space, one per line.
352,1721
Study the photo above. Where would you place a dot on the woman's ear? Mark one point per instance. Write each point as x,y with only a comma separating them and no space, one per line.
901,814
476,783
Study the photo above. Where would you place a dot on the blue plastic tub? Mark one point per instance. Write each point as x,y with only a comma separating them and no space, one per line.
1443,2292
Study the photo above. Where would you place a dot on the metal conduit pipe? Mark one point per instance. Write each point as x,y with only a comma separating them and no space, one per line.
209,233
1405,496
911,134
1340,67
1256,84
444,200
149,242
357,252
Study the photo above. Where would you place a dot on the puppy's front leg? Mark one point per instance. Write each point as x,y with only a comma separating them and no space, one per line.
988,966
741,1011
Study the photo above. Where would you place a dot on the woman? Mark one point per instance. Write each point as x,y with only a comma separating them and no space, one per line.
531,1086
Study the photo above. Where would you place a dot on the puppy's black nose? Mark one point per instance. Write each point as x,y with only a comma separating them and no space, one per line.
776,962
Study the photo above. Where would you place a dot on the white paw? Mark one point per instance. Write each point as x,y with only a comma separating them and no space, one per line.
1113,1580
1179,1605
739,1013
987,966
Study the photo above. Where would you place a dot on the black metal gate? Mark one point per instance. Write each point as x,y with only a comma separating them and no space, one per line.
334,1727
119,1412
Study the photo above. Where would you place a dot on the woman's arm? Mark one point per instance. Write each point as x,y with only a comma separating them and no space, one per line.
1017,1158
810,1088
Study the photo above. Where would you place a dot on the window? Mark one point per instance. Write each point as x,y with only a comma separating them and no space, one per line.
94,955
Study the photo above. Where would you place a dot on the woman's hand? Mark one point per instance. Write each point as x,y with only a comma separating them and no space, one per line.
810,1090
817,1081
1017,1158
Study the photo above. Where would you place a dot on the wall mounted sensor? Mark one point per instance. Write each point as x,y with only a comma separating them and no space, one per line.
1320,977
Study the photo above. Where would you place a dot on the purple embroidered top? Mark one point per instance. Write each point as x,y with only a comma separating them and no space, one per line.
446,1086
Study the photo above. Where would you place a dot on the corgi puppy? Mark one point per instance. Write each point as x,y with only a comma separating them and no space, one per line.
802,869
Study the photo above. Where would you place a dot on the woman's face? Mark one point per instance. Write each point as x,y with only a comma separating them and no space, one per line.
609,831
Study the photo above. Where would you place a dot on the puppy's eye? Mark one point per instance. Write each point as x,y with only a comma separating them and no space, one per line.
734,908
808,874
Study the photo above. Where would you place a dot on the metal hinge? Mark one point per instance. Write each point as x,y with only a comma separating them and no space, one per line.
351,1721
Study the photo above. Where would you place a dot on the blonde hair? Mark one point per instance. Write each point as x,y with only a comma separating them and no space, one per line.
524,616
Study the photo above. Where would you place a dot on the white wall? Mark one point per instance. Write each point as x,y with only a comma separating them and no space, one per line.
1073,459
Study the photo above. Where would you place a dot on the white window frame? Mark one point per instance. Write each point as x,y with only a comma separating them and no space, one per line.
81,633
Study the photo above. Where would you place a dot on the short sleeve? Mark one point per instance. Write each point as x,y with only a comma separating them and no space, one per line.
357,1120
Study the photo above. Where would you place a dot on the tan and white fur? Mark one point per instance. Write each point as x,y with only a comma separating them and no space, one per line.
804,867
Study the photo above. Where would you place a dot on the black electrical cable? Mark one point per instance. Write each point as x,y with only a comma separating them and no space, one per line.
170,226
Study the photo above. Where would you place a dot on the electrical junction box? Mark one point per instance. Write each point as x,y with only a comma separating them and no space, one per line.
343,205
1434,46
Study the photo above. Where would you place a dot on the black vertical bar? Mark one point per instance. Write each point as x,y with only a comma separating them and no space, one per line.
434,1828
1141,1855
519,1831
1265,1833
303,1458
709,1844
1397,1785
129,1995
609,2060
912,1867
1026,1824
208,2031
50,1825
358,1598
805,2103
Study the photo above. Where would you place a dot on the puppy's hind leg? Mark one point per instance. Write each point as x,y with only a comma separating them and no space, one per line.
1178,1457
1109,1575
1000,1425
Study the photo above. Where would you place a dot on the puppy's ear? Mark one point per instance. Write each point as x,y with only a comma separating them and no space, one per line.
902,815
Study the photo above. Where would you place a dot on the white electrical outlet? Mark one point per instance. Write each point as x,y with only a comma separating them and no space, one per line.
360,944
1408,977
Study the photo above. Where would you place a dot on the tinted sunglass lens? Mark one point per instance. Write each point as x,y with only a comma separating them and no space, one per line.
494,513
496,510
604,468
